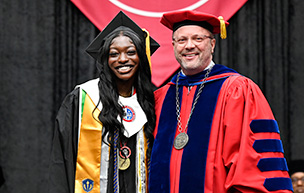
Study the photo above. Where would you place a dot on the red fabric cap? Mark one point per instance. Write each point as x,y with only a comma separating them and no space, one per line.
170,18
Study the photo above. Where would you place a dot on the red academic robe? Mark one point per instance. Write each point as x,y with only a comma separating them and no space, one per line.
234,141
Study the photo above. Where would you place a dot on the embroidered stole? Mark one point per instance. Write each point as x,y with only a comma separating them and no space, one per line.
93,155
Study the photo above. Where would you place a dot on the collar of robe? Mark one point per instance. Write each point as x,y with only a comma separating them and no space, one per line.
134,117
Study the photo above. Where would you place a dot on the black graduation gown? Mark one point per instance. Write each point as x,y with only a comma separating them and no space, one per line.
64,152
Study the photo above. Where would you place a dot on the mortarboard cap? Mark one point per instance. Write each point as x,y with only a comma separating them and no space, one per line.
119,20
176,19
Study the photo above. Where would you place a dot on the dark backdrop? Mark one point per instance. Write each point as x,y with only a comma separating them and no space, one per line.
42,58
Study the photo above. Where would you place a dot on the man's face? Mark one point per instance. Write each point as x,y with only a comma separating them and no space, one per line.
193,48
298,182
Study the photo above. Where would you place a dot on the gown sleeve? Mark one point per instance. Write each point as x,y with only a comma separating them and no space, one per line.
252,149
64,146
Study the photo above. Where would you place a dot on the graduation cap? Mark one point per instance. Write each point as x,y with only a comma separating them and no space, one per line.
119,20
176,19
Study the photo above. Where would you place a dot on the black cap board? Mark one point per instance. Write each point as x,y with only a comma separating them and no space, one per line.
119,20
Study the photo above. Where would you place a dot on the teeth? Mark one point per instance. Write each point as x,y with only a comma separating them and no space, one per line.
190,55
124,68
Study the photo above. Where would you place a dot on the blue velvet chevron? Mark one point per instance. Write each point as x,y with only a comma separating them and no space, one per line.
268,145
264,125
272,164
273,184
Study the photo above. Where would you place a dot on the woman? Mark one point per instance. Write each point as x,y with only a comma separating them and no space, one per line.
103,137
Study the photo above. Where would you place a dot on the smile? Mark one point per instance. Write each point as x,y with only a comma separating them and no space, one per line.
189,56
124,69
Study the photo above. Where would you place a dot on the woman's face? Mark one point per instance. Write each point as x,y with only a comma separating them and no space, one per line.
123,58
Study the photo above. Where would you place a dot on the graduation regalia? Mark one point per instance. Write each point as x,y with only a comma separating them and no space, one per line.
234,141
81,161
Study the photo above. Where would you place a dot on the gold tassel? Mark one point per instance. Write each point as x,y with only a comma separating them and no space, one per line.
148,52
222,27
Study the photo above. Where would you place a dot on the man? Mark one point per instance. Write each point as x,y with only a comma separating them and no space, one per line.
298,181
296,171
215,131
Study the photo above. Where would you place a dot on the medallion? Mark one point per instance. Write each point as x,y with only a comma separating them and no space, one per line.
124,163
125,152
181,141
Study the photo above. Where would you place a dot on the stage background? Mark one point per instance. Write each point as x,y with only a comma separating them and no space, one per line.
42,58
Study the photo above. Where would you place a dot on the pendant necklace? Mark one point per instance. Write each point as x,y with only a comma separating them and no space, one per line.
124,154
182,138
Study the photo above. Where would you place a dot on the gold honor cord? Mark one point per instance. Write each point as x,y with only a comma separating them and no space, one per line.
89,150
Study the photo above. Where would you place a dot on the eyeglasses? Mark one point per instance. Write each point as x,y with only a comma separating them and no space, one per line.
294,180
197,39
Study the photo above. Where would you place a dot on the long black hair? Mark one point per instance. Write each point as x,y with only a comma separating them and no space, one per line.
109,94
